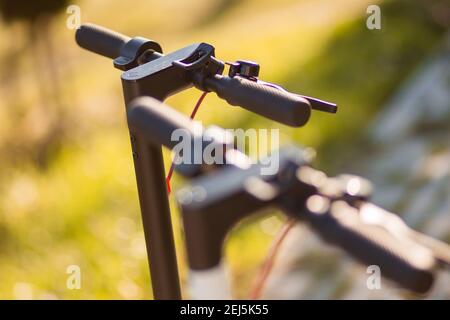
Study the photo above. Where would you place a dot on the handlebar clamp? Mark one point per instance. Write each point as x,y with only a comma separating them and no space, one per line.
132,51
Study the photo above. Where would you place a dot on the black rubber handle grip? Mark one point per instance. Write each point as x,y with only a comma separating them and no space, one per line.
100,40
157,121
405,262
264,100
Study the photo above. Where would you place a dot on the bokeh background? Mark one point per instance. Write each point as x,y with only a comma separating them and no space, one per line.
67,185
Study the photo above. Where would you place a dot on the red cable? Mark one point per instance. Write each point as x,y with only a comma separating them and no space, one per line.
193,113
197,105
270,260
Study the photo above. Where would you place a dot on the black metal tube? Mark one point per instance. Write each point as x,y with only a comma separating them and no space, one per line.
156,219
154,203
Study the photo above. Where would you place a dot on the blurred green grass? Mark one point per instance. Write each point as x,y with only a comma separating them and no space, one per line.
79,205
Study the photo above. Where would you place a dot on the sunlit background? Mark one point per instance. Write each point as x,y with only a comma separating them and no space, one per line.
67,185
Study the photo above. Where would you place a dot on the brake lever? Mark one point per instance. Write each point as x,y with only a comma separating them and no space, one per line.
356,191
440,249
374,215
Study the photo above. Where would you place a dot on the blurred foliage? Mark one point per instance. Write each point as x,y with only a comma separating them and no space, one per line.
30,10
67,187
360,70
